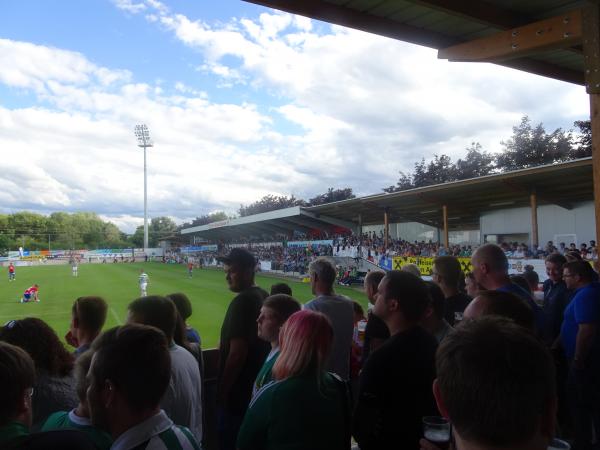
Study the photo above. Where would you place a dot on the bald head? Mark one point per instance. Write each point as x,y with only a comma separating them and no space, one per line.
491,255
503,304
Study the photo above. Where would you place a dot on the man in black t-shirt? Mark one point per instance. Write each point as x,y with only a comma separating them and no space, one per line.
395,384
242,353
446,274
377,331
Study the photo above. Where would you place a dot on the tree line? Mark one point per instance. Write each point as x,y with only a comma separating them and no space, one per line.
81,230
529,146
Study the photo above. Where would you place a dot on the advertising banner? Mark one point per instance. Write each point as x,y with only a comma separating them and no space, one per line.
264,266
309,243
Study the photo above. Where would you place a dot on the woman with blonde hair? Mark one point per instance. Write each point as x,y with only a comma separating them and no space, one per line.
304,407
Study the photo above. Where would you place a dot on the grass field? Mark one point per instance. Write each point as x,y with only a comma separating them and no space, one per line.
118,284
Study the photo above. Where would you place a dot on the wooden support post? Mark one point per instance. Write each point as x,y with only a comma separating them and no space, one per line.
534,220
595,119
446,238
591,53
360,225
386,226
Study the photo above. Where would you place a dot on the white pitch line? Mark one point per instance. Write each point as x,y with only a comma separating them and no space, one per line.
115,316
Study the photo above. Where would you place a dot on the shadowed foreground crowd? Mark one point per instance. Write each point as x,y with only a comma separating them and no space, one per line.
506,372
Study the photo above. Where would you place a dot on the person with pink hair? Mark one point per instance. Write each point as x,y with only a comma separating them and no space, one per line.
304,406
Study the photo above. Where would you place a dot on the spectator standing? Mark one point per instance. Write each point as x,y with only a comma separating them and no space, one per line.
446,274
184,306
54,389
242,352
305,407
182,401
395,384
503,304
281,288
581,340
17,378
88,315
492,361
377,331
129,375
490,268
433,319
79,418
339,310
556,297
274,313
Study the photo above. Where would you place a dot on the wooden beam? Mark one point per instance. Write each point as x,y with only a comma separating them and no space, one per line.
557,32
386,225
534,220
445,218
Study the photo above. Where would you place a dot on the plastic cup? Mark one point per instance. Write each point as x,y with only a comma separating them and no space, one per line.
436,430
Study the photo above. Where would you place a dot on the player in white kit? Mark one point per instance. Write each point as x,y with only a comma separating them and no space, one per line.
143,280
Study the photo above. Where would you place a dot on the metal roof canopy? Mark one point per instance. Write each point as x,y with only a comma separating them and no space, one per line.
563,185
281,221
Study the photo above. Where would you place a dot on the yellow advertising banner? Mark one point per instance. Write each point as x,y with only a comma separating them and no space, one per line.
425,264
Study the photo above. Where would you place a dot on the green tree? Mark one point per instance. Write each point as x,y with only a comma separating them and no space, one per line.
583,143
476,163
531,146
332,195
159,228
270,203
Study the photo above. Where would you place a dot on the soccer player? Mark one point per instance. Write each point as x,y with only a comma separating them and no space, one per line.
190,268
31,294
11,272
143,280
74,267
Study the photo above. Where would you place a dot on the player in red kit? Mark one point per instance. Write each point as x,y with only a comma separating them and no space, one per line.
31,294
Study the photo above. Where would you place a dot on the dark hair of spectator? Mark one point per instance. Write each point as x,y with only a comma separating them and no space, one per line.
17,373
437,299
496,380
448,268
581,268
282,305
358,309
281,288
374,278
135,358
182,303
556,258
41,342
572,256
157,311
521,281
90,312
532,277
411,293
509,306
82,366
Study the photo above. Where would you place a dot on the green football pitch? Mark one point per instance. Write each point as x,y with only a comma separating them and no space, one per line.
118,284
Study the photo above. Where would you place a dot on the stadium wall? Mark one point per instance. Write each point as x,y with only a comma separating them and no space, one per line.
554,223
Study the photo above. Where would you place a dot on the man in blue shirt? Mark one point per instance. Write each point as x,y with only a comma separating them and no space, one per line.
581,341
490,269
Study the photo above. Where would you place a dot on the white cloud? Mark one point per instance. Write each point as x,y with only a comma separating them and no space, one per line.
360,107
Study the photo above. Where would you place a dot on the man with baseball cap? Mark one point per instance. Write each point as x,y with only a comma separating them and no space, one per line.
241,351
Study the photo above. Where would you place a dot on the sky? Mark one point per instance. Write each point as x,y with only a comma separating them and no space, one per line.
241,101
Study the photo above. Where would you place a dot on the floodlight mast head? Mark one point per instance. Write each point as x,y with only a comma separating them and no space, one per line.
143,136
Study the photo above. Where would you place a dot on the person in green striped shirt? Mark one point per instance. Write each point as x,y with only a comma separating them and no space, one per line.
79,418
275,311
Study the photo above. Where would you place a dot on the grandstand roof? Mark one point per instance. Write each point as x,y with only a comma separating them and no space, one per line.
281,221
555,52
562,184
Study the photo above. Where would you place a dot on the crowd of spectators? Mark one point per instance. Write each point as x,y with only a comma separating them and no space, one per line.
507,371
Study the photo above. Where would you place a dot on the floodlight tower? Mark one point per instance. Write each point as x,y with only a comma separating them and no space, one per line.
143,137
